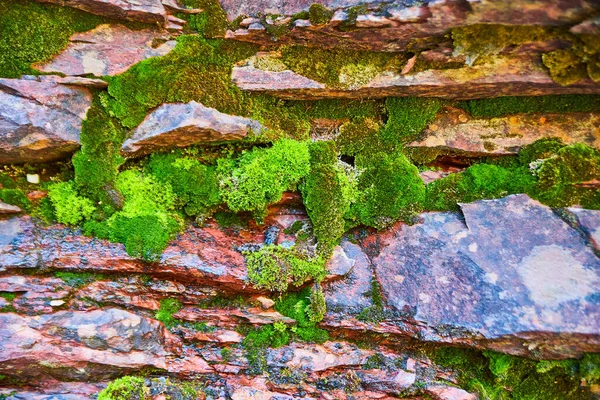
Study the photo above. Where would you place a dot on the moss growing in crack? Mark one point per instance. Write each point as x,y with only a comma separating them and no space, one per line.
211,23
328,191
260,176
375,312
256,342
307,307
501,106
168,307
197,69
275,268
78,279
319,14
407,117
125,388
96,164
338,68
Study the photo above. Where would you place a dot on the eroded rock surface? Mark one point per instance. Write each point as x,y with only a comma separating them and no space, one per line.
181,125
149,11
40,119
108,50
455,131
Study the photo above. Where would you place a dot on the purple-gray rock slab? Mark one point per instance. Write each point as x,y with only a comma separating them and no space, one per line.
184,124
148,11
589,222
40,120
506,274
107,50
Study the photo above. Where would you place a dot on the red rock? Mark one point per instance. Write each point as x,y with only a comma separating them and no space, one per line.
233,317
182,125
149,11
35,295
107,50
40,120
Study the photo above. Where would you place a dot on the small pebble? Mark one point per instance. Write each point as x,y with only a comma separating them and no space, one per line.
33,178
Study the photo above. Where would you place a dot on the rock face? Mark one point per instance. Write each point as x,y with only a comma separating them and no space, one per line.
108,50
511,276
149,11
455,131
181,125
40,119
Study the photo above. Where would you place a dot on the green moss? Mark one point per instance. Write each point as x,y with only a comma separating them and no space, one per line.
353,12
16,197
195,185
8,296
96,163
31,32
226,354
275,267
501,106
257,341
259,177
70,208
319,15
307,307
581,60
375,312
197,69
487,39
317,309
328,192
168,307
78,279
360,135
211,23
125,388
338,68
407,117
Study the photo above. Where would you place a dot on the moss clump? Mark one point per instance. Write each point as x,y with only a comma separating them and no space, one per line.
328,191
16,197
319,15
31,32
195,185
501,106
168,307
275,267
374,313
210,23
125,388
581,60
407,117
96,164
260,176
307,307
256,342
197,69
488,39
78,279
337,68
70,208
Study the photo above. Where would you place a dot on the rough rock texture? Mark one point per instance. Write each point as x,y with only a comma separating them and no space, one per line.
40,120
511,276
455,131
108,50
508,76
181,125
149,11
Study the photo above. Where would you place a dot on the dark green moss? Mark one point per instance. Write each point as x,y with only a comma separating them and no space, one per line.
374,313
16,197
300,306
211,23
168,307
501,106
256,342
353,12
319,15
78,279
407,117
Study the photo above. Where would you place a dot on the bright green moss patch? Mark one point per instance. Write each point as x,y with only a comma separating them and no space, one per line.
374,313
260,176
407,117
328,191
70,208
338,68
197,69
168,307
501,106
319,14
307,307
125,388
275,268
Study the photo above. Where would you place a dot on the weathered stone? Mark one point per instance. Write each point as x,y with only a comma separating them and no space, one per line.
9,208
181,125
512,276
443,392
330,355
149,11
34,295
97,344
233,317
254,79
454,131
589,222
107,50
40,120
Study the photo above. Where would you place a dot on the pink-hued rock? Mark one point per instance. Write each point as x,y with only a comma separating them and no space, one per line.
330,355
9,208
232,318
455,131
512,276
40,120
35,295
97,344
443,392
254,79
107,50
149,11
185,124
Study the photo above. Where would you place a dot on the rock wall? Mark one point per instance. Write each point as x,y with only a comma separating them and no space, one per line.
296,199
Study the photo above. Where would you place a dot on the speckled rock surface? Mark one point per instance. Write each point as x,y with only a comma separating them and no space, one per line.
149,11
40,120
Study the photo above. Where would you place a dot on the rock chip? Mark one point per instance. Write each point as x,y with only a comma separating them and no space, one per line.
40,119
9,208
108,50
456,132
511,276
185,124
149,11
